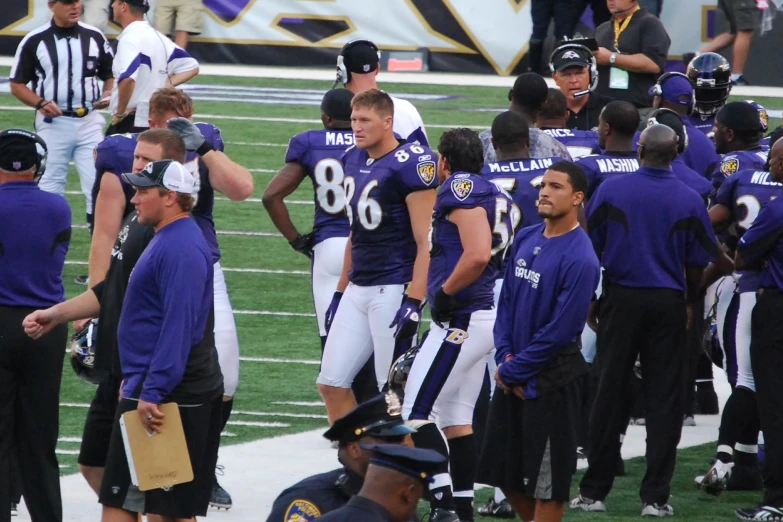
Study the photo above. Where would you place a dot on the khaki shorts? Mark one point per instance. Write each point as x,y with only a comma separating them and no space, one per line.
96,13
179,15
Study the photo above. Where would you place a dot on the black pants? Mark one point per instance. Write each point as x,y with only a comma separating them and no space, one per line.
30,374
124,126
649,322
766,359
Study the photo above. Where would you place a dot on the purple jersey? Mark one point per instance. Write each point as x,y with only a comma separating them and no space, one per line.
579,143
691,178
744,194
383,249
115,155
765,143
703,125
521,178
733,162
319,153
601,167
468,191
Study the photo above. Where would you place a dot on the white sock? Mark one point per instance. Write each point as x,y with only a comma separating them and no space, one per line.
499,496
735,76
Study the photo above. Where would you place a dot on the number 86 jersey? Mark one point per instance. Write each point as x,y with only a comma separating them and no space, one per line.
383,248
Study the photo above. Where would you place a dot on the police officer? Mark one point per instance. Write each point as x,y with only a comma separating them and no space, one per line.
396,479
34,239
645,308
374,421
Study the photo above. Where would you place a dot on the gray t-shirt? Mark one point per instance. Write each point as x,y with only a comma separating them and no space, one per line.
542,145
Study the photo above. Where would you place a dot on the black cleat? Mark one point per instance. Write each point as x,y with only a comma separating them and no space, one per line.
220,498
82,280
494,509
745,478
442,515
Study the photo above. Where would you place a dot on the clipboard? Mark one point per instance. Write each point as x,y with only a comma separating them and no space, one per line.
156,460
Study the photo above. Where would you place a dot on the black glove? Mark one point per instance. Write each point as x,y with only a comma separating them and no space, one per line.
303,244
443,307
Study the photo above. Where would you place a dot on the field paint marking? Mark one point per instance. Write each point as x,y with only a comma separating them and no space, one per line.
275,360
268,312
66,452
228,434
299,403
239,270
69,439
259,424
219,232
75,404
260,144
273,414
218,198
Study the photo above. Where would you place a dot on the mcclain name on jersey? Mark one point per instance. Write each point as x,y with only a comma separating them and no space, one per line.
518,166
525,273
339,138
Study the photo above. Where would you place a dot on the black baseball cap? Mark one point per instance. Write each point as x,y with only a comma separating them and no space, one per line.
377,417
360,57
138,3
739,116
570,57
18,151
419,463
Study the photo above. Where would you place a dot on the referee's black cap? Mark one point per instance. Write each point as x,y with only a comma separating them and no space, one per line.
18,152
377,417
420,463
337,104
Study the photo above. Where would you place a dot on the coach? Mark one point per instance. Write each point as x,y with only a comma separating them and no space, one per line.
34,239
654,238
58,69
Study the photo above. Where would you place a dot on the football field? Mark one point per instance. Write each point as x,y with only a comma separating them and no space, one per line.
269,283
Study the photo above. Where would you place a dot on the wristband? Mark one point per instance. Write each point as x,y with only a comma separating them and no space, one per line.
41,104
204,148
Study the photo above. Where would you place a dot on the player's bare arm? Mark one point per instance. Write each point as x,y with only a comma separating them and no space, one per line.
180,78
228,177
285,182
109,206
420,205
476,238
41,322
343,283
125,89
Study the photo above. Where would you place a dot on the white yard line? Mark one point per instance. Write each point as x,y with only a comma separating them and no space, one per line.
69,439
237,270
223,199
66,452
219,232
268,312
278,414
254,424
281,361
259,144
300,403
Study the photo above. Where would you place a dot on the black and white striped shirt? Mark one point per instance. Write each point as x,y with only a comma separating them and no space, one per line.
64,65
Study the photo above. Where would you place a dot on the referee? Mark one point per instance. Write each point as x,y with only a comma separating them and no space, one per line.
64,70
34,239
653,236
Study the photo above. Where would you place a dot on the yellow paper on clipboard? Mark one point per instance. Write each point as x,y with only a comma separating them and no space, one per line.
159,460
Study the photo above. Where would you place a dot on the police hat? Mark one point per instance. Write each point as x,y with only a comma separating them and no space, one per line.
378,417
420,463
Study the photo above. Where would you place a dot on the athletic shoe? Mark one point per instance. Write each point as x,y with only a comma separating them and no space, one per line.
689,422
494,509
220,497
714,482
745,478
741,81
13,509
581,453
655,510
442,515
82,280
766,513
587,504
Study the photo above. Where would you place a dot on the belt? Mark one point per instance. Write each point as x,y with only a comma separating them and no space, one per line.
78,113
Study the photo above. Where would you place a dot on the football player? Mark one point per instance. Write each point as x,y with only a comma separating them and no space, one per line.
736,466
471,228
358,65
763,121
389,193
737,136
710,75
552,120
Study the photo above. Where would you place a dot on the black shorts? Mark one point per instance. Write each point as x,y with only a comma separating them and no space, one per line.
99,422
741,15
202,425
530,446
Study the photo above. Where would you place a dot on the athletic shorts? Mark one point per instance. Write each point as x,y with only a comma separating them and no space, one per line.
179,15
530,445
99,423
742,15
202,424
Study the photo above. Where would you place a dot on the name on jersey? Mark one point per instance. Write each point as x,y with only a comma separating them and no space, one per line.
518,166
343,139
559,133
618,164
522,272
762,178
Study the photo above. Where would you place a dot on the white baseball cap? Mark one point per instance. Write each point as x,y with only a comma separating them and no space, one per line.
164,173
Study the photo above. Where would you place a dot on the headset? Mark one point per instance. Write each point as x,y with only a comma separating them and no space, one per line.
343,74
40,147
658,87
592,69
682,144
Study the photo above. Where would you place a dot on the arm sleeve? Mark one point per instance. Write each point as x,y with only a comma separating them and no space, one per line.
182,296
23,69
702,245
725,194
98,290
180,61
505,313
297,148
762,235
416,175
596,224
568,319
655,42
106,59
128,60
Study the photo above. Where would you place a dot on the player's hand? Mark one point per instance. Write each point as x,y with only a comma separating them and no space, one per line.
39,323
592,316
602,56
303,244
499,381
332,310
150,415
102,103
50,110
188,131
80,324
519,392
407,319
442,307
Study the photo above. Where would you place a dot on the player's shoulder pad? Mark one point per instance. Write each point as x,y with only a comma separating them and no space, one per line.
301,510
117,140
462,186
730,164
423,159
212,134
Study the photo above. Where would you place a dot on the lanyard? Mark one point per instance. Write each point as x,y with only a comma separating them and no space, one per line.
619,27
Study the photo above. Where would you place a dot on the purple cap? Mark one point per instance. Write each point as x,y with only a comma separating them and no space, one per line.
672,88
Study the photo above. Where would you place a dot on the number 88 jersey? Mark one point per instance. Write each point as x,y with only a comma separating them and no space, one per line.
319,152
383,248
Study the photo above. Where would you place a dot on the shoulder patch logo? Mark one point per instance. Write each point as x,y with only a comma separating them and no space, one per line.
426,170
729,166
461,188
301,510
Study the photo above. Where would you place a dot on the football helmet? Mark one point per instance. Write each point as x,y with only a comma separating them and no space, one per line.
83,345
400,369
710,75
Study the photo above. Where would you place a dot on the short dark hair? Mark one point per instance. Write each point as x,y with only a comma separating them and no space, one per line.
374,99
576,174
462,147
510,130
555,105
170,142
742,118
622,117
529,91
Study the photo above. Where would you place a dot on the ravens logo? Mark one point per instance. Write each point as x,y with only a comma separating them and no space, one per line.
461,188
426,170
729,166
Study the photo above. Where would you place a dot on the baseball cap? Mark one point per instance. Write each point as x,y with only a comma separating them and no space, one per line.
377,417
673,88
138,3
18,152
570,57
360,57
420,463
164,173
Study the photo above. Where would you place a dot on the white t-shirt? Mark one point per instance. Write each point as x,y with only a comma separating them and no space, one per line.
148,57
408,123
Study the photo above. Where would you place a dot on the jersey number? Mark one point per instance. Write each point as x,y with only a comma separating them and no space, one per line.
752,207
369,210
329,192
501,228
402,156
508,184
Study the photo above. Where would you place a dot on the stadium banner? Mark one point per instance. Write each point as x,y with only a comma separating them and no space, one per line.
489,36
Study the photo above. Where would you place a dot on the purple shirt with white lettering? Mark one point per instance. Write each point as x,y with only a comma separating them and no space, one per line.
601,167
579,143
319,152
